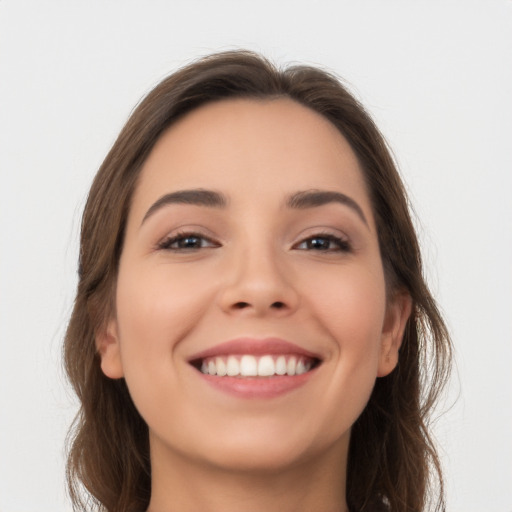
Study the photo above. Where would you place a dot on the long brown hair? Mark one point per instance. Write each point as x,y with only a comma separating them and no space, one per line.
393,464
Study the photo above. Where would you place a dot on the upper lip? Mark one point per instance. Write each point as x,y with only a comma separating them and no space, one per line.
252,346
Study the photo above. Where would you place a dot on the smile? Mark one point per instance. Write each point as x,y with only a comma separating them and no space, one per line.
256,366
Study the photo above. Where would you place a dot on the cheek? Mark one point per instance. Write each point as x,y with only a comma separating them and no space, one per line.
349,302
352,316
350,308
155,309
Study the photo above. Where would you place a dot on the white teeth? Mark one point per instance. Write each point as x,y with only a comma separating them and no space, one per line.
221,366
255,366
301,368
233,368
281,365
248,366
266,366
290,367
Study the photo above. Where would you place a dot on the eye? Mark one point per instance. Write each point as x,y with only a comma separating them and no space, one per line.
324,243
186,242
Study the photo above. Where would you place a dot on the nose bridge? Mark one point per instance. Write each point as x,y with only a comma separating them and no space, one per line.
259,278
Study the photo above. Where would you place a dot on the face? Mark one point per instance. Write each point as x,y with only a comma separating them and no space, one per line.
251,316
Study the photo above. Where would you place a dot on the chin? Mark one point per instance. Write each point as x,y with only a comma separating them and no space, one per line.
271,451
258,458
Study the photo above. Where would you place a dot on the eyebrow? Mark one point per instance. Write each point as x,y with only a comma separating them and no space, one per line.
197,197
211,199
314,198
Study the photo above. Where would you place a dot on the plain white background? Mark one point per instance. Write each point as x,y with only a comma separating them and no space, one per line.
436,75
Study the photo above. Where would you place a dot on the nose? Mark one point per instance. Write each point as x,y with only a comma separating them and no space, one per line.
258,284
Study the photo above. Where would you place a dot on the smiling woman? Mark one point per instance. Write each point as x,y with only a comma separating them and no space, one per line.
251,329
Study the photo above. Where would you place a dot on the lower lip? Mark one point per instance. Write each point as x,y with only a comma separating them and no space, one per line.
258,387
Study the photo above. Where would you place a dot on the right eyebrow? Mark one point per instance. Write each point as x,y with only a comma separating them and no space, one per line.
197,197
314,198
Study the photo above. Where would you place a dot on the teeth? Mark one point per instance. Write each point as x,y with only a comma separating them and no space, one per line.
253,366
233,368
281,365
248,366
290,367
221,367
266,366
301,368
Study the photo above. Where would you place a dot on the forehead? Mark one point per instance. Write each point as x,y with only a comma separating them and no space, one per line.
247,147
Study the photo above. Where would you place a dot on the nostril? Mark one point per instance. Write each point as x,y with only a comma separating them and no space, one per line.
241,305
274,305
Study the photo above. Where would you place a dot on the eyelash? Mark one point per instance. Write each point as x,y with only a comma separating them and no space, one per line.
167,243
341,244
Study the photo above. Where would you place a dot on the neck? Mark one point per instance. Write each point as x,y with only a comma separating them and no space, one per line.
182,485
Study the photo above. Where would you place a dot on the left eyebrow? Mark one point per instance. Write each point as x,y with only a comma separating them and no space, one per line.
314,198
197,197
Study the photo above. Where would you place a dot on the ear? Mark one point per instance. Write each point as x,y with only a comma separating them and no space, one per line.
397,313
107,344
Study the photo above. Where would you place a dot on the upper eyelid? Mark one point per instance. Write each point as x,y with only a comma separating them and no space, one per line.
192,230
342,240
207,234
322,231
184,233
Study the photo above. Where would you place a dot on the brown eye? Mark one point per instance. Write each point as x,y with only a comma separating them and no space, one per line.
187,241
324,243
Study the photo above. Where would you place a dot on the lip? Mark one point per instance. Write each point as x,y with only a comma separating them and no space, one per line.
255,387
255,347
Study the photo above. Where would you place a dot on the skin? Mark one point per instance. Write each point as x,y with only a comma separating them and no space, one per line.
255,273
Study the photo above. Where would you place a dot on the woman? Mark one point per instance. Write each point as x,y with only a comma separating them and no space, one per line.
251,329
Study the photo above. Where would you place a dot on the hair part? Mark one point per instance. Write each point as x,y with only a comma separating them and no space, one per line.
393,464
